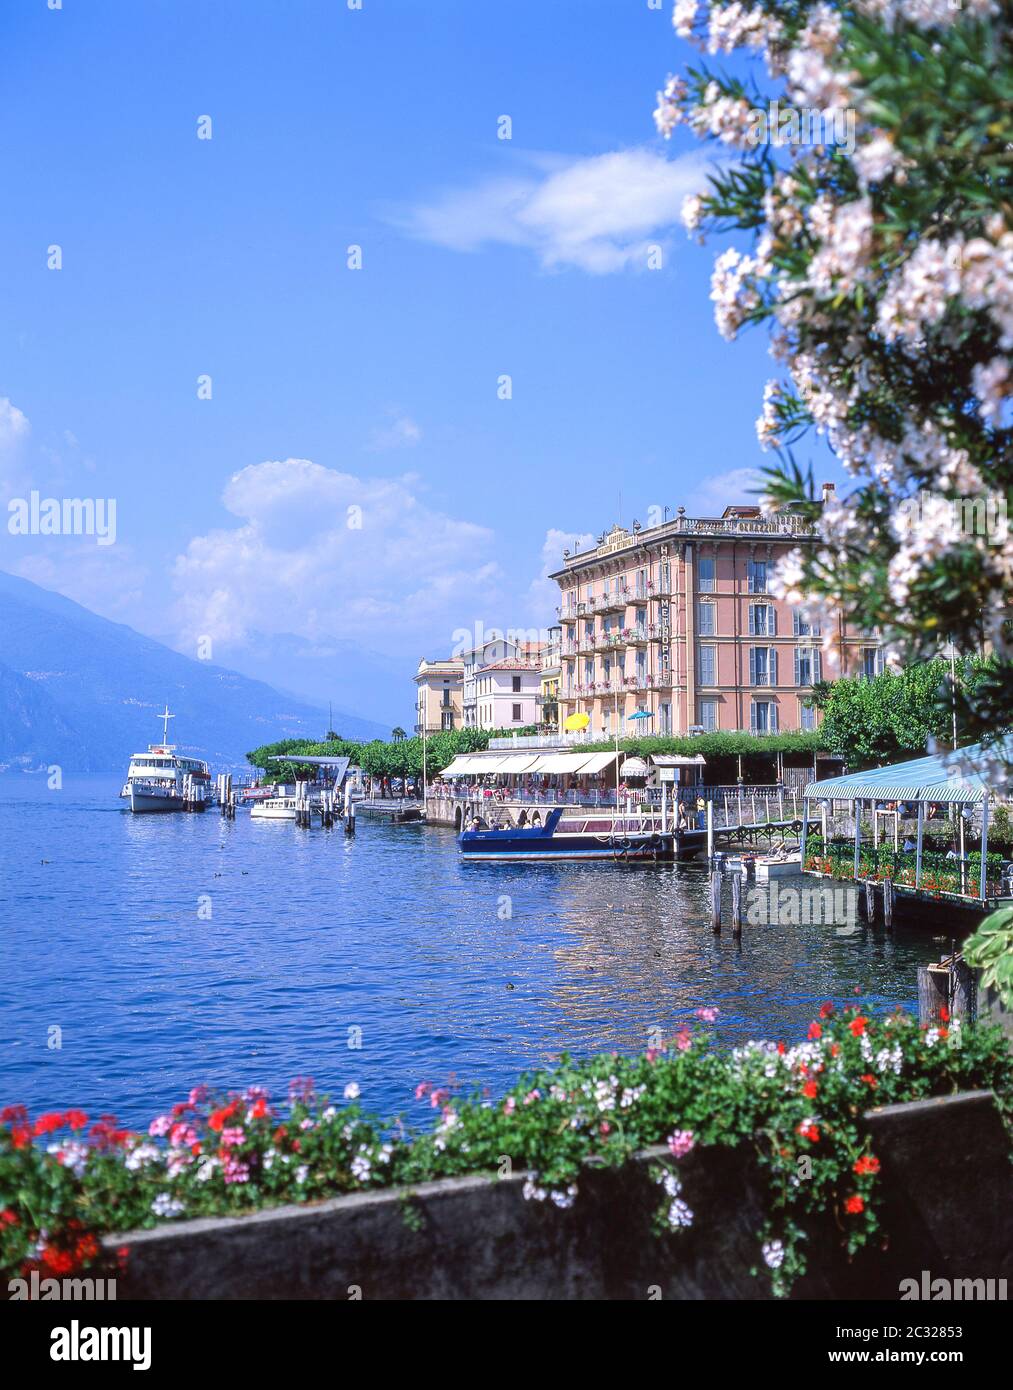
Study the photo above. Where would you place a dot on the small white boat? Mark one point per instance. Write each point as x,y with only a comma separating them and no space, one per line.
275,808
769,866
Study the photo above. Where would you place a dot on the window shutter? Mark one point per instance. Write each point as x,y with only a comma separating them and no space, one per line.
817,665
772,665
752,619
752,665
798,666
795,624
752,718
772,717
772,611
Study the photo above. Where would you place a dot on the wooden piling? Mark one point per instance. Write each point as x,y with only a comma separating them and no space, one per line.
950,985
870,900
736,904
888,902
716,899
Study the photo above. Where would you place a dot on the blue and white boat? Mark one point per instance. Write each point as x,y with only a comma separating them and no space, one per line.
583,835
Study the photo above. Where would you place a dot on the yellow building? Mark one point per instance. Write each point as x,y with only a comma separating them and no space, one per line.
439,687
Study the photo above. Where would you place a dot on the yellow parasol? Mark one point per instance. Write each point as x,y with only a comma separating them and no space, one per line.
577,721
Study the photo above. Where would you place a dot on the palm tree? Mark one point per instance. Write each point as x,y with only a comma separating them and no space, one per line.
398,734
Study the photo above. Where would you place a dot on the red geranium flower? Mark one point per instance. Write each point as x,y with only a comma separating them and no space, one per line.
59,1261
815,1031
809,1090
869,1080
867,1164
21,1136
13,1115
8,1217
944,1013
857,1025
259,1109
45,1124
77,1119
826,1009
854,1206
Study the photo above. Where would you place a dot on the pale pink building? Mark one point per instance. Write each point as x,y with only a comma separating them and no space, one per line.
677,622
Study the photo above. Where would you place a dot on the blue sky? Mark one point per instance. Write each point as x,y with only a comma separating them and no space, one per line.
481,257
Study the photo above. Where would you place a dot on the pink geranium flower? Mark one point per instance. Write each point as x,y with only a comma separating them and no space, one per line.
681,1142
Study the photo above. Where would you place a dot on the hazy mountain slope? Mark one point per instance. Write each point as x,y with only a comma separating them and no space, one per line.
90,690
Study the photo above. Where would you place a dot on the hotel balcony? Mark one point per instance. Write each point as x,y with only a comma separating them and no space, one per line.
636,636
614,602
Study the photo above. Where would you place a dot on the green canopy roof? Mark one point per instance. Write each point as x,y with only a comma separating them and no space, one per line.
933,778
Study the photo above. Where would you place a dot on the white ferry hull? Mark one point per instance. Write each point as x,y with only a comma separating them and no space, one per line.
144,801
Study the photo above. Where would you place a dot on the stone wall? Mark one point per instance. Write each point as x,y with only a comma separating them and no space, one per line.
947,1183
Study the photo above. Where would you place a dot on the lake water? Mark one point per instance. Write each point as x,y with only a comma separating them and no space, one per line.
466,972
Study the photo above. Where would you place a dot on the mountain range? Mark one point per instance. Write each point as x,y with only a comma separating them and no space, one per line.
81,692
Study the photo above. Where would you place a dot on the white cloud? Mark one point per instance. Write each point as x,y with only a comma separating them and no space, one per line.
300,563
403,432
14,430
600,214
712,495
13,424
543,592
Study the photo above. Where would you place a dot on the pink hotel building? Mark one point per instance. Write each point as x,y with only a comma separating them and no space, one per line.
677,621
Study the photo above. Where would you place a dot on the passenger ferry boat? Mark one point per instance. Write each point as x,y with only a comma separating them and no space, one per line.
622,838
163,780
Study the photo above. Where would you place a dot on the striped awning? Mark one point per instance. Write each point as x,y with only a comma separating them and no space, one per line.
933,778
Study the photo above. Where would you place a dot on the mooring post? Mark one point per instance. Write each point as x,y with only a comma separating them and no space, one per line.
736,904
870,900
710,829
963,989
933,993
888,902
716,899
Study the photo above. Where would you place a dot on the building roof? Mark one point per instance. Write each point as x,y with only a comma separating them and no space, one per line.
509,663
932,778
339,765
447,665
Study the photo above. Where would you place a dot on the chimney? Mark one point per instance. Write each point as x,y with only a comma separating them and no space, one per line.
828,490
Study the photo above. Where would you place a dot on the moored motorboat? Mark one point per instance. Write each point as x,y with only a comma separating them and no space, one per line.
589,836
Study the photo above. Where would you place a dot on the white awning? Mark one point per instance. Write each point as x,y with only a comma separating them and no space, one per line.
518,762
560,762
462,766
597,762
